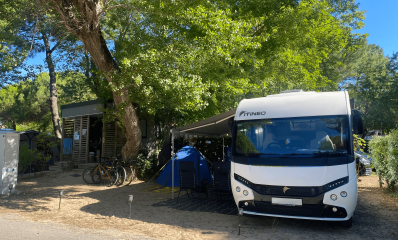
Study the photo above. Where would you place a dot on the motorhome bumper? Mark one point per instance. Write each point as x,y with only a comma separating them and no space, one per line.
296,217
306,211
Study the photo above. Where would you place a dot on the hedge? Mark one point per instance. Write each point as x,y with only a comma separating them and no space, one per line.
384,153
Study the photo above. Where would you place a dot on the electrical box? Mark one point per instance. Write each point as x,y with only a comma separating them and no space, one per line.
9,157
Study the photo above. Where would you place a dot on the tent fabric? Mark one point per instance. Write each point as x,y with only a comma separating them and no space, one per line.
216,125
186,153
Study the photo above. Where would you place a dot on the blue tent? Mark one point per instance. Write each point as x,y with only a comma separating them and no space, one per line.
186,153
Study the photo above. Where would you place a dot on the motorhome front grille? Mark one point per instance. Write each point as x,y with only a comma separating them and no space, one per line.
310,191
300,211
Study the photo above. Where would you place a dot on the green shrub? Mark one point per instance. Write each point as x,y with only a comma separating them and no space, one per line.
146,164
27,156
384,154
392,164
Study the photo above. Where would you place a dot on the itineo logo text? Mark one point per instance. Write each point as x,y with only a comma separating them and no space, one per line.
245,114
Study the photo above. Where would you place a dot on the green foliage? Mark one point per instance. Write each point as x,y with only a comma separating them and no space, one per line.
183,62
12,51
359,143
378,148
44,144
27,103
385,158
373,84
146,164
27,156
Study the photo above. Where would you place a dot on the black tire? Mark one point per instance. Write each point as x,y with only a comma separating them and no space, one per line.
114,177
130,175
96,177
87,178
121,176
347,223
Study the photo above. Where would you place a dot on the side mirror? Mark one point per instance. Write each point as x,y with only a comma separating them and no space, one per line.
357,122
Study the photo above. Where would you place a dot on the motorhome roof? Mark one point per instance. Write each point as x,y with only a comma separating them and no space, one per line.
294,104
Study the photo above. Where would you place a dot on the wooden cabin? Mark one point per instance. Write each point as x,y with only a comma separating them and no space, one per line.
85,137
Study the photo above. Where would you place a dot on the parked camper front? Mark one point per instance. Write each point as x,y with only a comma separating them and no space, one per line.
293,156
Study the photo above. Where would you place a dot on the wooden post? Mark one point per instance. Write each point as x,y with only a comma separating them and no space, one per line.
61,151
172,176
88,139
103,138
114,150
80,139
172,142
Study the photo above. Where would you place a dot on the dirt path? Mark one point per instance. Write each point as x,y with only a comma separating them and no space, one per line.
98,208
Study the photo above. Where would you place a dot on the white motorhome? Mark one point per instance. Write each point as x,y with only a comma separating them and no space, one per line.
293,156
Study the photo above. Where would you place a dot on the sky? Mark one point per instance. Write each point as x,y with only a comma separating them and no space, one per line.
381,23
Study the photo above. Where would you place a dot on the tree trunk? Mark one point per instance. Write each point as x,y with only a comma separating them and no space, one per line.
53,88
165,152
95,44
86,27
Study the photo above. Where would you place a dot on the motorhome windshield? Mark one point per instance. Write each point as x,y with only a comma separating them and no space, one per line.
293,136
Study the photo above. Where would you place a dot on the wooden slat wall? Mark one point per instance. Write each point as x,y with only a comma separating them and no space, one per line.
76,143
109,140
80,147
113,140
120,142
67,132
84,140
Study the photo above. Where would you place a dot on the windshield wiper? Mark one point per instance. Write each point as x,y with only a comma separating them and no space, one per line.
295,154
328,153
259,154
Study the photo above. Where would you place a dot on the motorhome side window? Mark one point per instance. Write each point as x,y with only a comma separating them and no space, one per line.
304,135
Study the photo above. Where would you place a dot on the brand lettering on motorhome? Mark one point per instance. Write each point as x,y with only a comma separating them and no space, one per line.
245,114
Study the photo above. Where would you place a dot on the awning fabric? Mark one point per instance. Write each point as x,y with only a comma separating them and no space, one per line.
216,125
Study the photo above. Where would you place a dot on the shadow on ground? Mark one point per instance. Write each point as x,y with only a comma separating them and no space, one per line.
208,217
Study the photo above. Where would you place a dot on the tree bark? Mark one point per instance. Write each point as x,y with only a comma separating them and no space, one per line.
53,88
85,26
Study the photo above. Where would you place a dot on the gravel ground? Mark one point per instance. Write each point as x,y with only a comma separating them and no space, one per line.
97,211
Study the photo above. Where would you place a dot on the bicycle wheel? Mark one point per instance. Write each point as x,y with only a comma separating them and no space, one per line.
121,176
130,175
96,176
87,178
114,176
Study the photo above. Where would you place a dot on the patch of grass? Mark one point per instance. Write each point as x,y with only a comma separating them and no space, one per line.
390,193
394,195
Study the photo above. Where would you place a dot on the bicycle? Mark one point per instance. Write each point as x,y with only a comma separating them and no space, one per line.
125,171
102,172
129,172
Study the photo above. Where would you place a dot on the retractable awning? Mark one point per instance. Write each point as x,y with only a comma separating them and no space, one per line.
215,126
212,126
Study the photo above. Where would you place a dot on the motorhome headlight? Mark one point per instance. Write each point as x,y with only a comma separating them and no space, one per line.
245,192
238,189
343,194
333,197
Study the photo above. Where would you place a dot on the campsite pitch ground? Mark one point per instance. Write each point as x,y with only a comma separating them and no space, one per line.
103,212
